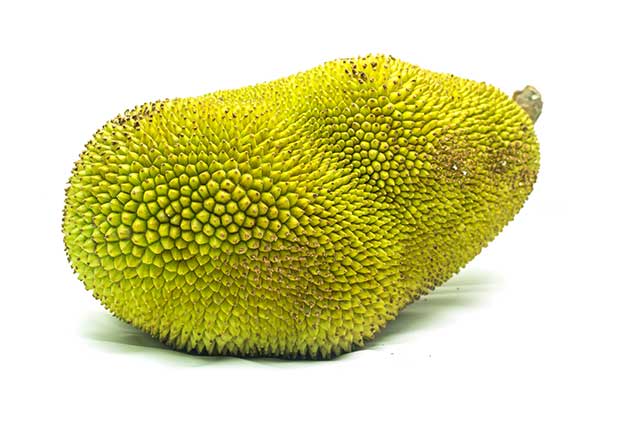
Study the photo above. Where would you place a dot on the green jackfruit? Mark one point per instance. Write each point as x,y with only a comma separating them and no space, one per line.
295,218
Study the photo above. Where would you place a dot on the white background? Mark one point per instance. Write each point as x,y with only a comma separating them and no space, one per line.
540,329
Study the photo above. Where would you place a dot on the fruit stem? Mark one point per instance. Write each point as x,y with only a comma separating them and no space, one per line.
530,100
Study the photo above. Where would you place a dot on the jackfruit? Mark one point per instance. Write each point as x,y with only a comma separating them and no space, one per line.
295,218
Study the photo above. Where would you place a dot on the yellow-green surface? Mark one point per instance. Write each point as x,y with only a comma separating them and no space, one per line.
295,218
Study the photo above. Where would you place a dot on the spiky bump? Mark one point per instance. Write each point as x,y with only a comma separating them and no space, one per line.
295,218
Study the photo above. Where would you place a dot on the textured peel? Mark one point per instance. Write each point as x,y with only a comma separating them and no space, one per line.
295,218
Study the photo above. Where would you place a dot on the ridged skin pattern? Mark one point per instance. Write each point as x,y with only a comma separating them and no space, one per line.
295,218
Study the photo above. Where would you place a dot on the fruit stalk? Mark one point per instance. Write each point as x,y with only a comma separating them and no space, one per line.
530,100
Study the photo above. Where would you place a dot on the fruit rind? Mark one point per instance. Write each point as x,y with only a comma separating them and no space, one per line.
295,218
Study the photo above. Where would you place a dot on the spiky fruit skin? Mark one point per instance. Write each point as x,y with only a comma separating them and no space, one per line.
295,218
